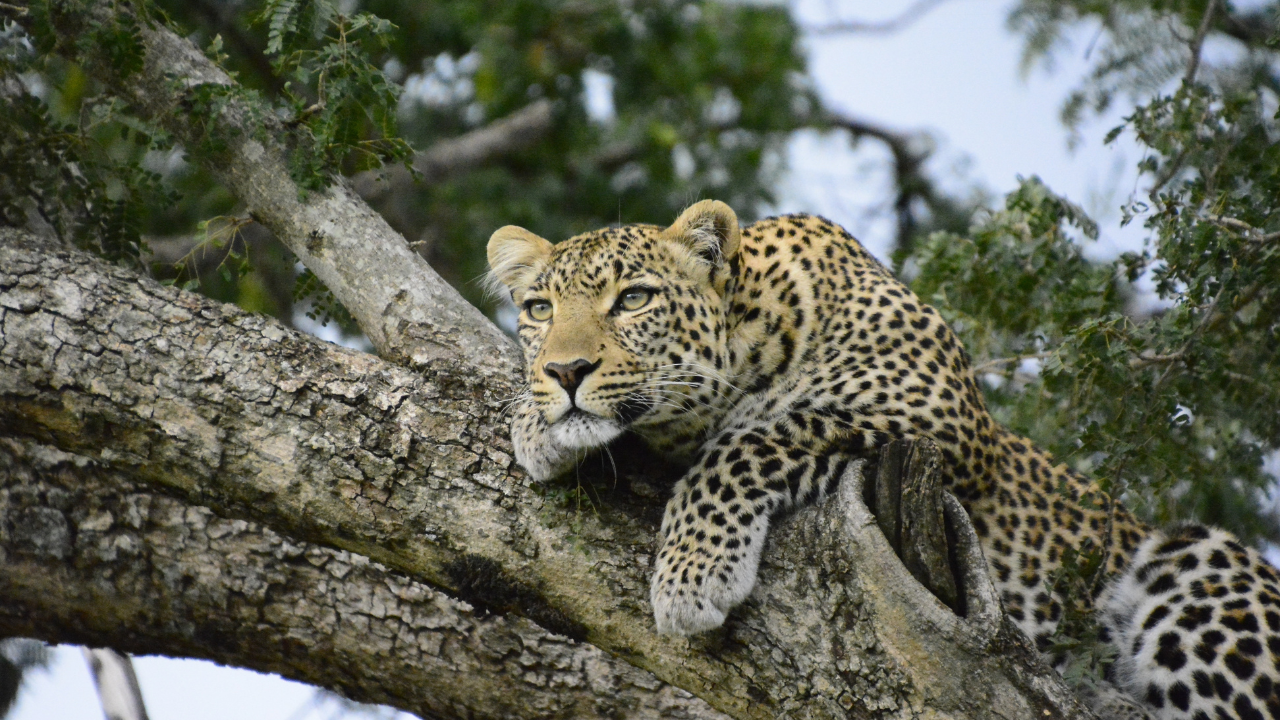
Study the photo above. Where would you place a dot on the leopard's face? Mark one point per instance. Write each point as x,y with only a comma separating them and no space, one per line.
622,328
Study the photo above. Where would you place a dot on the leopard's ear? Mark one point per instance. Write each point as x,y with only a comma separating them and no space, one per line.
710,229
516,257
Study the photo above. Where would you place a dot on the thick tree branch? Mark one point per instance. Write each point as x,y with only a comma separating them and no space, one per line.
95,558
221,16
465,152
222,410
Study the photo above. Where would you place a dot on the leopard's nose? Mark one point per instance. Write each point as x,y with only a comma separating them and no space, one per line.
571,375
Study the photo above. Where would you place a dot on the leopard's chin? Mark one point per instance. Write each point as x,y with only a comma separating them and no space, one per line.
579,429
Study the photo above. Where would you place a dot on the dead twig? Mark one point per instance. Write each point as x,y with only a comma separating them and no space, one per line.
883,27
1254,235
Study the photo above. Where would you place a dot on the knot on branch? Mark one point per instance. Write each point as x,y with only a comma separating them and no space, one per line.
917,540
905,495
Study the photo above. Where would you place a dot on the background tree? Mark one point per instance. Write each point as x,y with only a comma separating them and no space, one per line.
623,112
1172,402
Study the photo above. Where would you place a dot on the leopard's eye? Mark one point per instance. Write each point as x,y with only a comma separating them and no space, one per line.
635,298
539,310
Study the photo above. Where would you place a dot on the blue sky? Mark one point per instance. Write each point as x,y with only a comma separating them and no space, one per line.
953,74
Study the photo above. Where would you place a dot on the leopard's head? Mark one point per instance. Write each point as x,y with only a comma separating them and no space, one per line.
623,327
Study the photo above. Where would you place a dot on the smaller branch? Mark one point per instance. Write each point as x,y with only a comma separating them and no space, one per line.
1230,223
117,684
515,132
908,17
1211,316
1240,377
408,312
991,365
1251,28
1197,43
1153,359
908,170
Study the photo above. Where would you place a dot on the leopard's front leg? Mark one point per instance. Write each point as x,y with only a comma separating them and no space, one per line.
715,524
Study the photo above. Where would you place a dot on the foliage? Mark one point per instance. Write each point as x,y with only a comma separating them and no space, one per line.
656,104
1158,371
75,162
1139,48
341,104
1076,645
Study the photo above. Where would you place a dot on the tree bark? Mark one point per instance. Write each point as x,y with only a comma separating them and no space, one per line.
125,403
93,558
182,477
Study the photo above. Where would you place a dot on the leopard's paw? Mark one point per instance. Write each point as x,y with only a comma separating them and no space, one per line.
696,582
678,612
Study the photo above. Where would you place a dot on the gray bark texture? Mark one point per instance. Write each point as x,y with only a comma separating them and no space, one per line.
180,477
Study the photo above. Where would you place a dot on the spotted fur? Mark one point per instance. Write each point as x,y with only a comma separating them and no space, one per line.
767,357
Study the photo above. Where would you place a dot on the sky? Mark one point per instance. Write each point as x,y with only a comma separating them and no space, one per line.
989,121
954,74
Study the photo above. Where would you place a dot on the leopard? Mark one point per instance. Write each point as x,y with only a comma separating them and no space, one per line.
765,358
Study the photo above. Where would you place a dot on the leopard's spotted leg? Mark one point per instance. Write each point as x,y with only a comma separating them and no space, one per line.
715,523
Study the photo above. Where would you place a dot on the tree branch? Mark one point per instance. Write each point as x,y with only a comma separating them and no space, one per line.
117,684
175,396
95,558
995,363
446,158
221,16
1251,28
910,153
848,27
1197,42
